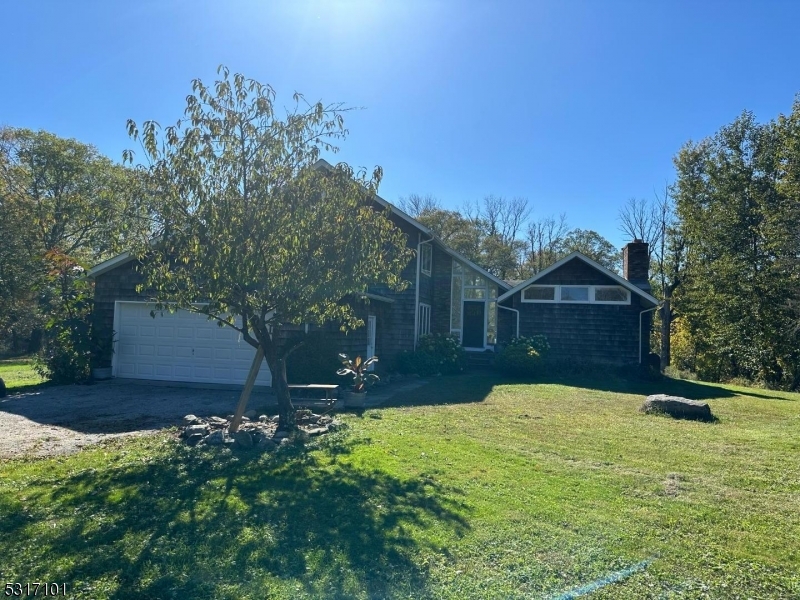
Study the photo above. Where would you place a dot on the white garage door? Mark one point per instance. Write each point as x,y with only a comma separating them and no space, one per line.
179,346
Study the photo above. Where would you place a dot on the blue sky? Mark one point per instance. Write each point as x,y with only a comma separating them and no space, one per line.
576,105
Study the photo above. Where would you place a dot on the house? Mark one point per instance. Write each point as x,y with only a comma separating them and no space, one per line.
583,309
187,347
587,312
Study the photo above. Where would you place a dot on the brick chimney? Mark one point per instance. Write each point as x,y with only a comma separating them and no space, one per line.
636,264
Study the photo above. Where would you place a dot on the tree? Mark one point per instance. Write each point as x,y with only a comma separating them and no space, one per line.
737,201
656,224
593,245
545,238
248,225
57,196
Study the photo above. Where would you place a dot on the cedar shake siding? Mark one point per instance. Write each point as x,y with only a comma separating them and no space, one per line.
582,332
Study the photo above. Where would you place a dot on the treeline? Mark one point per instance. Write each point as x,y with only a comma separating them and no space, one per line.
499,234
63,207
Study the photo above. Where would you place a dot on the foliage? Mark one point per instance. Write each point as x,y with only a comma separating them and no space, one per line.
67,353
359,369
523,356
436,354
315,361
56,195
739,206
593,245
249,220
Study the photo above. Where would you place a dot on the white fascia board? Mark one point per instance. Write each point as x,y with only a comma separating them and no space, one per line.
111,263
620,280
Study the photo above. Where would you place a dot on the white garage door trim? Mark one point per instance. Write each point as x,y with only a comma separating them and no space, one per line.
181,346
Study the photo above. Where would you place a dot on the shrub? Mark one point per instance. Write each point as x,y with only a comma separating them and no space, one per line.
524,356
316,361
66,354
436,354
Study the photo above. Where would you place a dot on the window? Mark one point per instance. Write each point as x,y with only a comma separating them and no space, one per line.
540,293
574,294
611,293
583,294
424,319
426,258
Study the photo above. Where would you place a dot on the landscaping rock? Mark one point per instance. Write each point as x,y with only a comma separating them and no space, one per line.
263,419
217,421
191,430
280,435
194,439
250,414
192,420
267,444
216,438
285,441
276,418
243,439
677,407
317,431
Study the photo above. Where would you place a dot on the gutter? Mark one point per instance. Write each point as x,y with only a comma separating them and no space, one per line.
657,306
516,311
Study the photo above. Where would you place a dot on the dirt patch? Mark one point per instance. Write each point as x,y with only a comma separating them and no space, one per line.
64,419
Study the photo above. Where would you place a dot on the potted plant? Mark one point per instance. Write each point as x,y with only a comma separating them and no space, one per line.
355,397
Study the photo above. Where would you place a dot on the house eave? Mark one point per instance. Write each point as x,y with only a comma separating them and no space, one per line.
620,280
110,264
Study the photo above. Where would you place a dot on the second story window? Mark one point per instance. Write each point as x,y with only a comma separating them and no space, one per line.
426,258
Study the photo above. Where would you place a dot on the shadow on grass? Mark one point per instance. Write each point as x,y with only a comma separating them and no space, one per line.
449,389
475,387
208,523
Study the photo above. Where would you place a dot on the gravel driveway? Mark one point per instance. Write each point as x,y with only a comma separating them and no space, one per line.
63,419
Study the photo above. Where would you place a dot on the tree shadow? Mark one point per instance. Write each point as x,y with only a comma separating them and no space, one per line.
208,523
449,389
475,387
613,382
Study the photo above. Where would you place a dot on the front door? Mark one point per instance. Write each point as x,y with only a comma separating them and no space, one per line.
370,339
474,320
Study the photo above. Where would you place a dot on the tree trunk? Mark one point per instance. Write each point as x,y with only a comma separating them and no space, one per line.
280,386
248,388
666,322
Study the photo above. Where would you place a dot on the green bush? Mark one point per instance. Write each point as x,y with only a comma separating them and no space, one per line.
436,354
316,361
67,350
524,356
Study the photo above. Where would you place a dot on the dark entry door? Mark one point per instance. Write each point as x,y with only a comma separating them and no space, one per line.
473,323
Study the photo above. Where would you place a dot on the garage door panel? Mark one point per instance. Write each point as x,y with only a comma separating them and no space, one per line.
180,346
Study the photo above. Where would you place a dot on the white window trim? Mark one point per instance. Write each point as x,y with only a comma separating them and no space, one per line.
422,252
592,289
424,319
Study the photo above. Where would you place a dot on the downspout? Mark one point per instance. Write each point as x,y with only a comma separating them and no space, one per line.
416,294
640,329
511,309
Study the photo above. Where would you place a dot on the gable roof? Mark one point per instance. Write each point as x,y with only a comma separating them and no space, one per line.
322,163
594,264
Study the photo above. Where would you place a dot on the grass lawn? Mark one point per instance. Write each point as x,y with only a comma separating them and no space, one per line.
19,373
471,487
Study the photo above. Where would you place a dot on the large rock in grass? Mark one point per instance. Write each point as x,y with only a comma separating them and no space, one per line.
680,408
